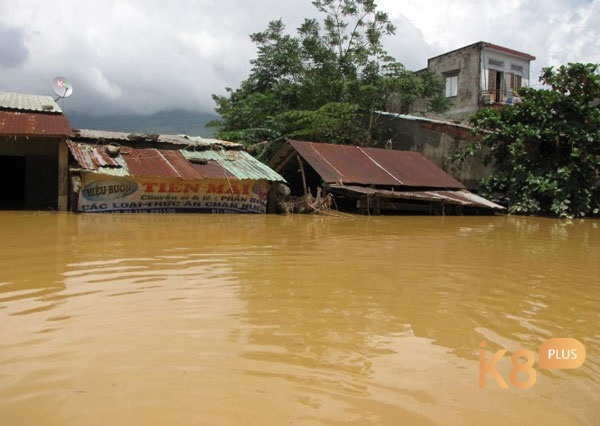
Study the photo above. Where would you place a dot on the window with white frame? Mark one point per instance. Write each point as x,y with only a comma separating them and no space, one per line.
451,85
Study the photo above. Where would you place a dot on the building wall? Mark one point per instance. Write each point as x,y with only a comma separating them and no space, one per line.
476,76
494,61
439,142
466,64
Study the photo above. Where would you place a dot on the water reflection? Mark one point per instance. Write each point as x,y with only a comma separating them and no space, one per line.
196,319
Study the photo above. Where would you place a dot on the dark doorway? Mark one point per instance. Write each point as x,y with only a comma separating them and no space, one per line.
12,176
500,89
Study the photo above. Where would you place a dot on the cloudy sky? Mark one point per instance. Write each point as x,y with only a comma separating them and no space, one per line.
143,56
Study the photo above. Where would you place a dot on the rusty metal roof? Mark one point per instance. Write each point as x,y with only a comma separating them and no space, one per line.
31,103
160,163
164,163
17,123
119,137
213,142
345,164
458,197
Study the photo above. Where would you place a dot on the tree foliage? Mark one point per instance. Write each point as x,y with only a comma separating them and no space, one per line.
325,83
546,149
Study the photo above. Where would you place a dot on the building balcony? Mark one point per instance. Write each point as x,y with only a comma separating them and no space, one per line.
498,98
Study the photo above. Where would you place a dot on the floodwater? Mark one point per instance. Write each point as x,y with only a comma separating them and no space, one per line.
292,320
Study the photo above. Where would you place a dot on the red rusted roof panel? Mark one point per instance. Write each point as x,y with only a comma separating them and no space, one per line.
91,157
16,123
342,163
170,163
412,168
157,163
371,166
147,162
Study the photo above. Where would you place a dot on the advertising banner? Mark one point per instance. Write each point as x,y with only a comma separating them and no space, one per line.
104,193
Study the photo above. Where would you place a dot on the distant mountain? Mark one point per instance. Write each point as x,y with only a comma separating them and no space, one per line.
171,122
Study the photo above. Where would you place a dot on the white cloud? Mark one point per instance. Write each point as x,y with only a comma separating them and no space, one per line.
146,55
555,31
103,86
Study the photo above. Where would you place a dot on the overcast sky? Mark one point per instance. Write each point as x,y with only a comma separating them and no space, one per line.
143,56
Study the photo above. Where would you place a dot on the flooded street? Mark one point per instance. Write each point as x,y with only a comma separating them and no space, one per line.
301,320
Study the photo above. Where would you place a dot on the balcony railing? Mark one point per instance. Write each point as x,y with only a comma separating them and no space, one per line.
498,97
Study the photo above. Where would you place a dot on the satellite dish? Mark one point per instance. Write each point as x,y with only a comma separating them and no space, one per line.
62,87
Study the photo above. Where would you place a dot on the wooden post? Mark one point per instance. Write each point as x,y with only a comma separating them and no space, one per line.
303,175
63,176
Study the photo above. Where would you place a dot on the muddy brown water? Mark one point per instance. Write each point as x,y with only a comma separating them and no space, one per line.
273,320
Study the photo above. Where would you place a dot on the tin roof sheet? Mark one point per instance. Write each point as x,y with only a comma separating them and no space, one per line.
183,140
19,123
372,166
424,119
158,163
212,142
99,135
94,157
238,163
151,162
458,197
25,102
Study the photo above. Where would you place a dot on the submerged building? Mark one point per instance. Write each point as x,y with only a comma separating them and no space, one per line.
46,165
33,153
375,181
121,172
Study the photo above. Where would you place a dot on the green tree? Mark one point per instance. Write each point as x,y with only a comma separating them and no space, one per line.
324,84
546,149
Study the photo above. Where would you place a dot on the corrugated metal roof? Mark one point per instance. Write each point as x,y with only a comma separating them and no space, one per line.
213,142
158,163
239,163
151,162
459,197
424,119
25,102
93,157
33,124
480,200
184,140
371,166
100,135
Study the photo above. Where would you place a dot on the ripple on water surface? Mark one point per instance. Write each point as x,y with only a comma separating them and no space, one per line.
195,319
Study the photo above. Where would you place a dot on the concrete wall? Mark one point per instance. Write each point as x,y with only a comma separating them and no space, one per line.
466,63
439,142
478,68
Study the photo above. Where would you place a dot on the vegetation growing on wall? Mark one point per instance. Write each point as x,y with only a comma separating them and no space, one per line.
546,149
